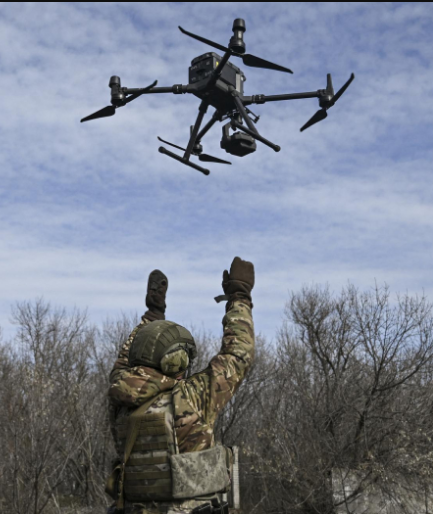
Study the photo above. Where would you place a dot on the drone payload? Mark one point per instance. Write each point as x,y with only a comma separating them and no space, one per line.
219,83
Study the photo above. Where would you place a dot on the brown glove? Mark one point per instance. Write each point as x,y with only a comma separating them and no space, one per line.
239,282
157,286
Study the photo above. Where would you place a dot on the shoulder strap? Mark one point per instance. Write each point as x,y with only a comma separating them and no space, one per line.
176,445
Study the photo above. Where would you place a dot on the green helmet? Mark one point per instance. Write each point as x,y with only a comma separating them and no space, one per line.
163,345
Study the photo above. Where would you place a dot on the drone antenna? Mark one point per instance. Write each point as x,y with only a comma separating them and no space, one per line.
237,43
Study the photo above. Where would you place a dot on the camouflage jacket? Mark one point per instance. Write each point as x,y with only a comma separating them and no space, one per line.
198,399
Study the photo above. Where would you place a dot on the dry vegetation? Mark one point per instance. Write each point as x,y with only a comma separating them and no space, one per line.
347,385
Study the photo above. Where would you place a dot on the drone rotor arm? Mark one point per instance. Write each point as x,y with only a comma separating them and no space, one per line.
141,91
261,99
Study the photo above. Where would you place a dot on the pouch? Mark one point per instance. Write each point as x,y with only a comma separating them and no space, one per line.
199,473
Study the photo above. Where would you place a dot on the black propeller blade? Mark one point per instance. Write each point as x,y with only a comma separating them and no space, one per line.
171,144
257,62
111,109
329,86
327,100
319,116
204,157
106,111
204,40
248,59
343,89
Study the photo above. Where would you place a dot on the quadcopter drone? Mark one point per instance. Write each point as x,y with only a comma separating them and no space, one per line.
219,84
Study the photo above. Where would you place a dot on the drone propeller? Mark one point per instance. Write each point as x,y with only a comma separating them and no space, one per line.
342,89
320,115
204,157
327,100
248,59
110,110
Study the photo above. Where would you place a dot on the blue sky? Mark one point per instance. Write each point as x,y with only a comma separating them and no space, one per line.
88,210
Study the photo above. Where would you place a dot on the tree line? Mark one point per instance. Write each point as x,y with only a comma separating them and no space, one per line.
345,387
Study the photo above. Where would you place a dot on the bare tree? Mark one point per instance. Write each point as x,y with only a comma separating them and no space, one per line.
352,392
344,395
50,427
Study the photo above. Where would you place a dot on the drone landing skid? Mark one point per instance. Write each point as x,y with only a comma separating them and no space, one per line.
163,150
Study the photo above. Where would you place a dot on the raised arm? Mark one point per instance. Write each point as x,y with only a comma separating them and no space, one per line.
157,286
206,393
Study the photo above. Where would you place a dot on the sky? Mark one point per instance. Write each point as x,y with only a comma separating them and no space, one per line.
87,210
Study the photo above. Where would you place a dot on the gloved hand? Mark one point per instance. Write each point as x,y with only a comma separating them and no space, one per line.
157,286
239,282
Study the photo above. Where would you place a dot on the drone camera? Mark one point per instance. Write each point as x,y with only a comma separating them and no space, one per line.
237,43
238,144
117,96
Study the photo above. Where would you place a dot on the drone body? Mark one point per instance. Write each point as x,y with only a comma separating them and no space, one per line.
202,68
219,84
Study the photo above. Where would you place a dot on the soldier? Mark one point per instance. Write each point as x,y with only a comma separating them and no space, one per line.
162,420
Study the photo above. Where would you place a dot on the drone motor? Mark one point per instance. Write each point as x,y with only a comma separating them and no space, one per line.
117,95
237,43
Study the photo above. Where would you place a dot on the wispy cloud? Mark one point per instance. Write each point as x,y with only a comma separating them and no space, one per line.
88,210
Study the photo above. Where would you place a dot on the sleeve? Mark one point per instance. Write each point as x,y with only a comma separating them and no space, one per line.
121,365
209,391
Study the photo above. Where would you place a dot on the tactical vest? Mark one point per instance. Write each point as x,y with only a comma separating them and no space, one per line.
155,471
148,474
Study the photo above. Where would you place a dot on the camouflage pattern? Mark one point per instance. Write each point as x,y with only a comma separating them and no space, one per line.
200,473
152,342
175,363
122,362
172,507
121,370
197,400
148,470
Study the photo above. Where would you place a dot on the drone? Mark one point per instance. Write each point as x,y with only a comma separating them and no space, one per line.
219,84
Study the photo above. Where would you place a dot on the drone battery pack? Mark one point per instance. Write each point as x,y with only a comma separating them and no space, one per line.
203,66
